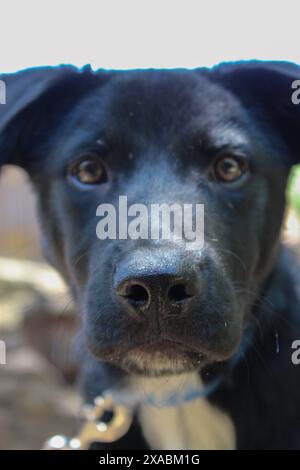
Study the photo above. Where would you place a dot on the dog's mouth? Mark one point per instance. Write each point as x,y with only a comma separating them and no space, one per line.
164,357
165,354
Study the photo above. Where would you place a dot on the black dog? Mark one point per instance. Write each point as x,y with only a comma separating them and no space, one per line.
155,316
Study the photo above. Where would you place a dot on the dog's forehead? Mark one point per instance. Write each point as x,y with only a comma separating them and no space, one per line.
165,103
167,109
160,93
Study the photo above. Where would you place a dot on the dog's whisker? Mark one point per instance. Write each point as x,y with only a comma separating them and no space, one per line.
80,257
234,255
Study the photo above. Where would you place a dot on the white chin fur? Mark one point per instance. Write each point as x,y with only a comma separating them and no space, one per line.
190,426
156,363
193,425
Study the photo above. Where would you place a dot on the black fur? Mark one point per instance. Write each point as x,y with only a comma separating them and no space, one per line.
162,130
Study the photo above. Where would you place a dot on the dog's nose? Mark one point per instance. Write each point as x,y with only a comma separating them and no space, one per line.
160,281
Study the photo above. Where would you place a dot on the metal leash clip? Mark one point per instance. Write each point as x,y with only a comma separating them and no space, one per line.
95,429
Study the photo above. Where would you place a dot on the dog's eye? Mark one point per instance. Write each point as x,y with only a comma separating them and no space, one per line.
88,170
229,168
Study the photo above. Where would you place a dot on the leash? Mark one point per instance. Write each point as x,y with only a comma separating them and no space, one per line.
98,429
95,428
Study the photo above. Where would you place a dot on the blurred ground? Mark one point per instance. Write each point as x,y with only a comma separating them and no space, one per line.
38,323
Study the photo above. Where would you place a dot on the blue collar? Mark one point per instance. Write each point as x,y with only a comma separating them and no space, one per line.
191,395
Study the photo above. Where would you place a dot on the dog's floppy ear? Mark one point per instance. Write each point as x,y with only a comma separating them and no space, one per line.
272,91
22,93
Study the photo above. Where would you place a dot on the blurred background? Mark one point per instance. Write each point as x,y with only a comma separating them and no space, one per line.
38,325
37,317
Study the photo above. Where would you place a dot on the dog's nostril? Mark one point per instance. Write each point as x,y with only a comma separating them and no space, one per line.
137,294
181,291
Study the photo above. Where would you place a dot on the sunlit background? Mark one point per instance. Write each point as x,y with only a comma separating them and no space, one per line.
37,319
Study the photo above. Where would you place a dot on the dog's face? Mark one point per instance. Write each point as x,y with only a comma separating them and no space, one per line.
152,306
